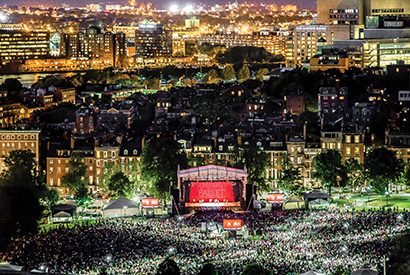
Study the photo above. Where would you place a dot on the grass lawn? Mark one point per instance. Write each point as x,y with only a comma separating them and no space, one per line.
394,201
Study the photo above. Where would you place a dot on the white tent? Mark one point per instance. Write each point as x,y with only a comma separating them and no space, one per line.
6,266
311,273
121,207
364,271
293,202
319,203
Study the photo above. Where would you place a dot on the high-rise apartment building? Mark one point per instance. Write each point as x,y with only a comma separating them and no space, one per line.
152,40
107,48
23,45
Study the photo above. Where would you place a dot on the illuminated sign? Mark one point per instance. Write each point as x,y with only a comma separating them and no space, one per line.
211,191
275,197
232,224
150,203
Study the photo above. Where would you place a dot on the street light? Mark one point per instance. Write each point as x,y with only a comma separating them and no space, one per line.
125,208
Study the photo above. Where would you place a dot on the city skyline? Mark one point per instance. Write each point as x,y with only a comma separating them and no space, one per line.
303,4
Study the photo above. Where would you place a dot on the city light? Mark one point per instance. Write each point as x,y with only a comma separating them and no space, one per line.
3,17
174,8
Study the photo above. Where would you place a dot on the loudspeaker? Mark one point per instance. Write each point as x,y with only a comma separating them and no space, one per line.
175,194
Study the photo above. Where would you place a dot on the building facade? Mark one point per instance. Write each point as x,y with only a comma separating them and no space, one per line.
17,45
152,40
11,140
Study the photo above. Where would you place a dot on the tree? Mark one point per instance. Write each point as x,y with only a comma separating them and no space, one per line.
120,186
256,161
161,158
75,179
244,73
195,161
121,180
382,166
228,73
191,48
289,175
330,170
260,73
21,188
205,48
13,87
404,178
212,77
208,269
355,172
168,267
253,269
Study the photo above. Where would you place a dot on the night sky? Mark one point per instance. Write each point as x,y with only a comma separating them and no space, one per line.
310,4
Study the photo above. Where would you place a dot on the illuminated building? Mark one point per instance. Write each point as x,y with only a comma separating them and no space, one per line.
96,158
383,52
302,41
178,45
11,27
288,8
152,40
192,23
94,7
23,45
354,12
108,48
273,42
334,59
11,140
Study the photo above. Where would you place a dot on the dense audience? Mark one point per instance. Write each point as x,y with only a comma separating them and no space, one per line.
288,242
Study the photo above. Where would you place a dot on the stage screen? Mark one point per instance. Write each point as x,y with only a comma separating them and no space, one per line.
232,224
150,203
275,197
211,191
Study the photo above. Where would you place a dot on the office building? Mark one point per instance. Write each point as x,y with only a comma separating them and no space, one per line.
303,41
23,45
152,40
360,12
384,52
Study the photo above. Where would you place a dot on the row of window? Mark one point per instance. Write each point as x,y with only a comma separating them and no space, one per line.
19,146
26,137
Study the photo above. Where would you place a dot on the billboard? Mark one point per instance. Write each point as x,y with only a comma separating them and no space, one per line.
150,203
211,191
275,197
232,224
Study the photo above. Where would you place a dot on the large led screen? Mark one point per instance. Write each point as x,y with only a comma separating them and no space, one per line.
211,191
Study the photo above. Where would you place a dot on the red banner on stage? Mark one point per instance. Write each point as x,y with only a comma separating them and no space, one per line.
232,224
211,191
275,197
150,203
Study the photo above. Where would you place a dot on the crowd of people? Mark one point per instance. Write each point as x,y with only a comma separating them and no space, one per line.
287,242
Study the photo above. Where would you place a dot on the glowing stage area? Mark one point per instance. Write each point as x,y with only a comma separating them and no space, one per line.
212,187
